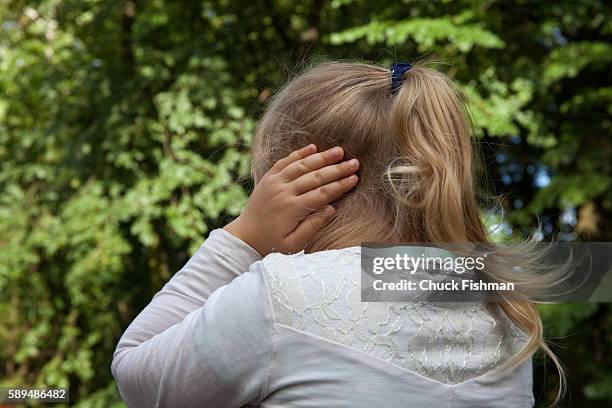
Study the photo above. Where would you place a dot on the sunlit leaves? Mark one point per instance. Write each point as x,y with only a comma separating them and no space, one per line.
425,32
569,60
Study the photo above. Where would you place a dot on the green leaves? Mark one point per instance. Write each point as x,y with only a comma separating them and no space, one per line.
108,181
425,32
568,61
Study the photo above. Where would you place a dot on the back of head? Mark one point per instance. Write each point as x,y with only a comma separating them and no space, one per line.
416,181
416,164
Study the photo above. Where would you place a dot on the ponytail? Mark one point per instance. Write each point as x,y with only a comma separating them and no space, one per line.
434,185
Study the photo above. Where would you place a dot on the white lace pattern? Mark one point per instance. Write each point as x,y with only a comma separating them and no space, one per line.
320,294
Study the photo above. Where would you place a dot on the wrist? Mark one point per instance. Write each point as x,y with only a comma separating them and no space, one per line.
239,230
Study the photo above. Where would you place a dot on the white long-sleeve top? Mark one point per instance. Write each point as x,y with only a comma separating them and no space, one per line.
231,329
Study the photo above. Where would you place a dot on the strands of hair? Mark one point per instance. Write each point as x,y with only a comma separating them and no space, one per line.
417,172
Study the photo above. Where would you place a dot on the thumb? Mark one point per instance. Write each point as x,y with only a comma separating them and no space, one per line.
310,225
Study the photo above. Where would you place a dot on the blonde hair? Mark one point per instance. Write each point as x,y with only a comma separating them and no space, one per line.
417,163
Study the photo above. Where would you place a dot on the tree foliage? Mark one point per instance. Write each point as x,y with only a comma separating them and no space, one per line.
124,132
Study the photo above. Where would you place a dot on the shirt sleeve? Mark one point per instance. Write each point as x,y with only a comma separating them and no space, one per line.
191,346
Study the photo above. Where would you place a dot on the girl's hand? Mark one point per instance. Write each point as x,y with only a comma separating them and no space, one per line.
290,203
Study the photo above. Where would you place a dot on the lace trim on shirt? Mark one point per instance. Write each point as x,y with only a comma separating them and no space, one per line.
320,294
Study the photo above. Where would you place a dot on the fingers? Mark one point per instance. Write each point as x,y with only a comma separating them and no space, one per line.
310,163
312,224
327,193
293,157
326,175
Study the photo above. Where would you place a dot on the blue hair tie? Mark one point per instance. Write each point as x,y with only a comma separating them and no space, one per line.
397,75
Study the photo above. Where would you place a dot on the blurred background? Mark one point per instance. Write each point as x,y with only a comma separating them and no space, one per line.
125,125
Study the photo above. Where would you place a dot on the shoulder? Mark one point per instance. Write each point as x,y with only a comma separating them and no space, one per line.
280,268
306,288
237,308
233,332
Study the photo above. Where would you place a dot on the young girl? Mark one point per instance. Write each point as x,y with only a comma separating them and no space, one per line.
388,159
